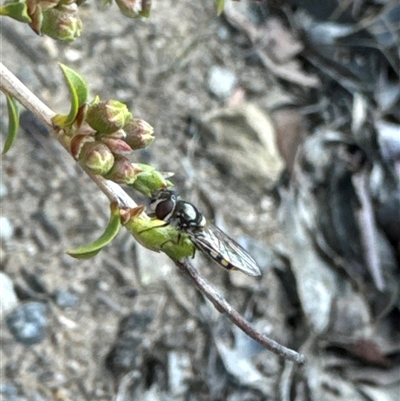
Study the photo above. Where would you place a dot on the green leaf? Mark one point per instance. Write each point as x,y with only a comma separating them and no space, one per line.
88,251
78,91
16,10
156,236
13,120
220,6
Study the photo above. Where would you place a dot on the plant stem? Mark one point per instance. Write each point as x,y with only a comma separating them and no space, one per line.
224,307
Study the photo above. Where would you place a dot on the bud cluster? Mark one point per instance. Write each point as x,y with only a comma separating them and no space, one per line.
59,19
109,136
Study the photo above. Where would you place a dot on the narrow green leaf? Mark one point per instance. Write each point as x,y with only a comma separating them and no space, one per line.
13,122
220,6
88,251
16,10
78,91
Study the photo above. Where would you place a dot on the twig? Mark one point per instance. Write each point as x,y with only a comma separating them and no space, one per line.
224,307
367,226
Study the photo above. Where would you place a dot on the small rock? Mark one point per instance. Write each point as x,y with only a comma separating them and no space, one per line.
9,392
8,298
223,32
65,299
8,389
179,369
240,140
6,228
28,322
3,190
221,81
127,352
15,398
73,54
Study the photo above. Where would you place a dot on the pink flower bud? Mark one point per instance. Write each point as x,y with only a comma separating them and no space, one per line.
134,8
107,117
77,143
62,23
117,146
139,133
123,171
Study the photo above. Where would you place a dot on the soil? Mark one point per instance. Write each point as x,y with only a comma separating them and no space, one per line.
139,329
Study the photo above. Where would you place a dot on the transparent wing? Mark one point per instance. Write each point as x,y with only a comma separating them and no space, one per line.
224,250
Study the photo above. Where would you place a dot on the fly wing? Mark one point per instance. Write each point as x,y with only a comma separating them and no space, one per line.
224,250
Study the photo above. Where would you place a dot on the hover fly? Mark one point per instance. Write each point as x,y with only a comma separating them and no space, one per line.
205,236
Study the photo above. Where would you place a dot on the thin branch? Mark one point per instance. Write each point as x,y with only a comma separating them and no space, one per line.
224,307
10,84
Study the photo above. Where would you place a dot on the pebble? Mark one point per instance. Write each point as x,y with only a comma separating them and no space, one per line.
221,81
65,299
10,392
3,190
223,32
6,228
7,389
8,298
178,367
73,55
27,322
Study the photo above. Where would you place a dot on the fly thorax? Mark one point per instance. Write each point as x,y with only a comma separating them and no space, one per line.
188,214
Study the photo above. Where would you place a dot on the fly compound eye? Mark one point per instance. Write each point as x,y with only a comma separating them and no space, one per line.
164,209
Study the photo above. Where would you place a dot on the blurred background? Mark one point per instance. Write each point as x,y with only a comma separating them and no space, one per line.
280,121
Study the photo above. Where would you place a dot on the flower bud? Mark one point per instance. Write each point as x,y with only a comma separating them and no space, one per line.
120,134
117,146
107,117
47,4
65,2
62,23
139,133
149,180
123,171
97,157
77,143
134,8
